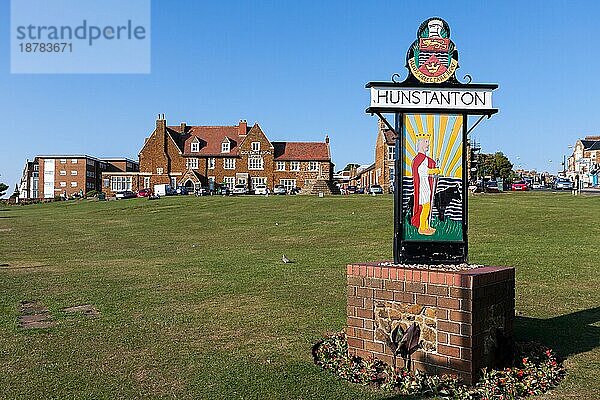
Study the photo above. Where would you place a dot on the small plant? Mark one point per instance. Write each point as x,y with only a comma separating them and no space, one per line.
535,371
91,193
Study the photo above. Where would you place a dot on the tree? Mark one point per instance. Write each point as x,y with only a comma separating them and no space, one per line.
3,188
351,166
496,165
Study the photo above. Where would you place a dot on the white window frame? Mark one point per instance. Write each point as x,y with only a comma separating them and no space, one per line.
159,171
289,184
280,165
313,166
120,183
63,184
229,181
256,163
146,182
73,161
391,152
73,173
294,165
211,163
63,173
229,163
63,160
195,147
255,146
257,181
73,184
192,163
225,147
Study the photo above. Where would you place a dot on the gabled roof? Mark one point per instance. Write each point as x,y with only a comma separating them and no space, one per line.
591,144
301,151
209,137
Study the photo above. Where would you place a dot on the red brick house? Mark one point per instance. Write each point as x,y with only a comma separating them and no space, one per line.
381,172
193,156
48,176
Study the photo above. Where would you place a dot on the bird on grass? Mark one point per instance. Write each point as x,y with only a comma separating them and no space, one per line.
286,260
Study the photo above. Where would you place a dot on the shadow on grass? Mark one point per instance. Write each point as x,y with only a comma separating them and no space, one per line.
567,335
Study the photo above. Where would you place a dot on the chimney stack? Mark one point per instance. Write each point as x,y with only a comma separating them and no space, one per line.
161,123
327,139
183,126
243,127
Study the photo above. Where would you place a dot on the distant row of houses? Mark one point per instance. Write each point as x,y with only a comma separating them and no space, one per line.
584,164
189,156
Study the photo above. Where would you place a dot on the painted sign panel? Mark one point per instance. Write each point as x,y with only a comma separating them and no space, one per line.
433,98
433,58
432,172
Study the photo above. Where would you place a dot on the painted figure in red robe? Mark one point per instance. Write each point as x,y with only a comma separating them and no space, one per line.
423,170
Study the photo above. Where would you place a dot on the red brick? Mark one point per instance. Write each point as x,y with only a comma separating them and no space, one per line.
355,301
370,271
385,358
459,293
366,314
415,287
369,324
349,269
351,290
401,274
357,343
377,272
442,337
355,322
368,304
450,327
364,292
466,305
437,360
404,297
437,290
447,350
426,300
374,283
364,334
363,270
461,341
384,294
393,273
350,311
425,276
355,270
460,316
394,285
461,365
416,276
447,302
355,280
373,346
440,313
385,273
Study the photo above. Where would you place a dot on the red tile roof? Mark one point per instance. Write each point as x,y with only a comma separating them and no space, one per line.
301,151
209,137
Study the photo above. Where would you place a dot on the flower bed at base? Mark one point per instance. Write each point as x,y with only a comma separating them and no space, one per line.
535,371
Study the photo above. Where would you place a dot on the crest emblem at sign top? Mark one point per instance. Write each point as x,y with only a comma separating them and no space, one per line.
433,58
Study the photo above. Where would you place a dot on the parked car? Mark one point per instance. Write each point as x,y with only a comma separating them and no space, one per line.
563,184
163,190
144,193
376,189
240,189
538,186
518,186
360,191
202,191
260,189
351,189
125,194
279,189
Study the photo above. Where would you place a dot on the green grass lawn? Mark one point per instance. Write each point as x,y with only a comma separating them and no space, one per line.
196,303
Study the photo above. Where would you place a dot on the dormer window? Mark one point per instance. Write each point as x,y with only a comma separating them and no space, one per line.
195,148
225,147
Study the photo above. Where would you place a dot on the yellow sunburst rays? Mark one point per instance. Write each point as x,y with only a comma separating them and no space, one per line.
409,144
440,137
449,160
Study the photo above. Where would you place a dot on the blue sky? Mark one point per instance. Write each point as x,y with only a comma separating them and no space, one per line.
299,69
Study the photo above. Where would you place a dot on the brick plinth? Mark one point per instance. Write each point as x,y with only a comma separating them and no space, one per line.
466,317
